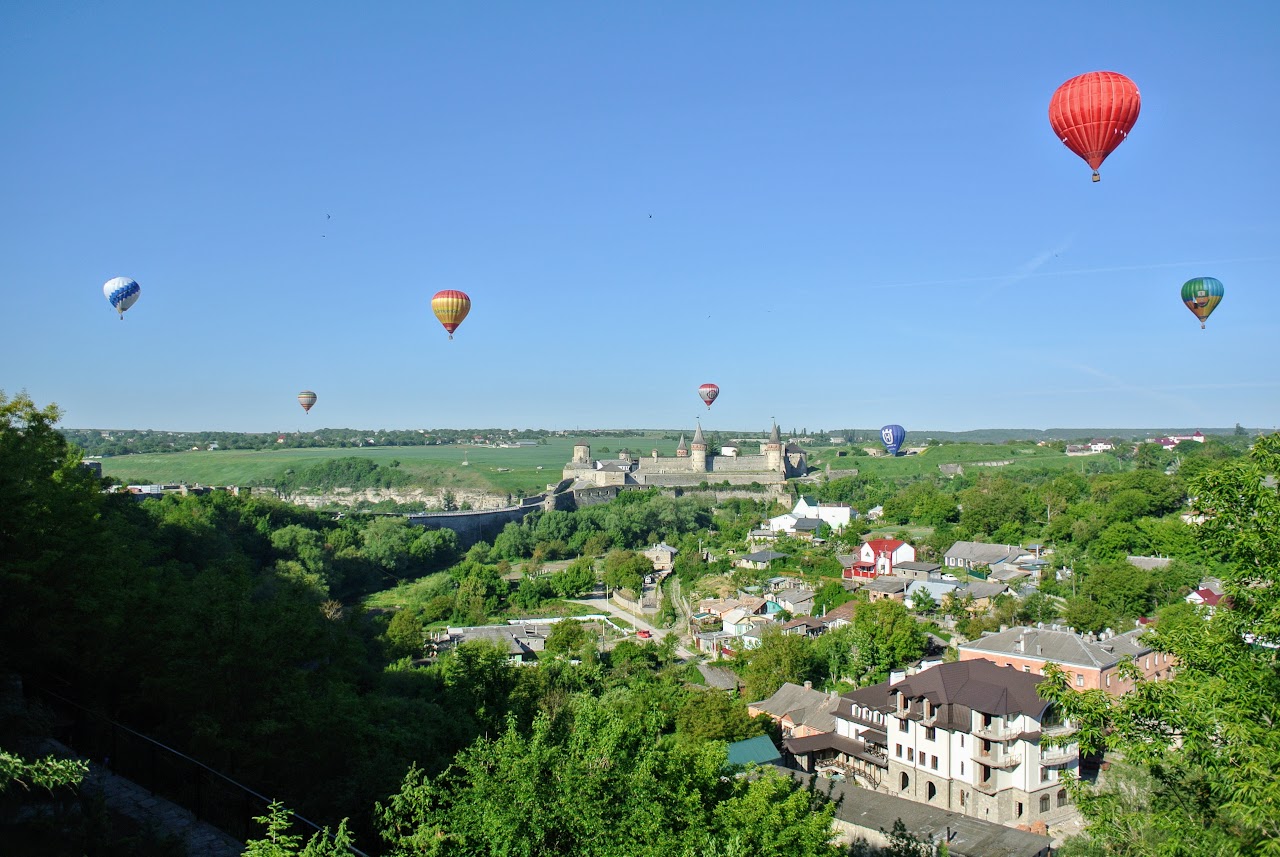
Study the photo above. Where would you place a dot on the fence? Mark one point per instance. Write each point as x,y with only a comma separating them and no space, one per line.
212,797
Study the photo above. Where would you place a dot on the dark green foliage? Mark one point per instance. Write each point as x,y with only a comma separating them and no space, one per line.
596,780
1201,744
350,472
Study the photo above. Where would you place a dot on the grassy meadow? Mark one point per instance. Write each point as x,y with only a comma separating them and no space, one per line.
1021,456
494,469
513,470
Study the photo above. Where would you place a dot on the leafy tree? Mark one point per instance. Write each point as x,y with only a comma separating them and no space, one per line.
596,781
713,715
567,637
781,658
47,773
405,633
279,842
1202,741
576,580
626,570
923,602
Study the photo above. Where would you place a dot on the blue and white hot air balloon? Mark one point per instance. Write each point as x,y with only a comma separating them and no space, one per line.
892,437
122,292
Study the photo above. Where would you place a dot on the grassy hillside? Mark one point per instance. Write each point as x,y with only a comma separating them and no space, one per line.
430,466
1021,456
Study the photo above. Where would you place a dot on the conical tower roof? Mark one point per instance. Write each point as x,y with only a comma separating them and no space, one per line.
697,436
774,436
682,445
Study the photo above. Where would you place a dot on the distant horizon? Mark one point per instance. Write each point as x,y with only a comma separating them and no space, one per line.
637,430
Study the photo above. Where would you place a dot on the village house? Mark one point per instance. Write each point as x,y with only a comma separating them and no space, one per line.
834,515
1090,661
962,736
760,560
881,588
799,711
662,556
976,555
795,600
918,570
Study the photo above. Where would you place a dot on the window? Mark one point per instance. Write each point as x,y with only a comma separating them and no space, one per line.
930,791
961,740
1108,679
930,734
1079,680
1026,668
904,781
1044,775
911,755
1147,663
902,726
1017,810
962,769
933,762
897,750
1062,797
963,797
1044,803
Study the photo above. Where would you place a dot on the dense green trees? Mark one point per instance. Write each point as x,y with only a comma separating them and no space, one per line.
599,780
1203,743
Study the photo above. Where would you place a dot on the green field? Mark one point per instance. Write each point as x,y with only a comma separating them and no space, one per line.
499,470
1021,456
431,466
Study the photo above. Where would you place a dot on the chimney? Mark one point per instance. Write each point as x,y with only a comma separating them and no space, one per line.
808,685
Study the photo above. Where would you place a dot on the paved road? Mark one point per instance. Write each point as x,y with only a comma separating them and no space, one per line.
600,603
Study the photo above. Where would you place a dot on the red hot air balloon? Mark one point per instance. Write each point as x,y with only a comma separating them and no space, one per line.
1094,113
708,393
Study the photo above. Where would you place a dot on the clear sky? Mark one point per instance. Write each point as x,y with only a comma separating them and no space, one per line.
845,214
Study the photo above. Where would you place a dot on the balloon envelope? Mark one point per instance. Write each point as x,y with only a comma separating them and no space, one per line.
708,393
306,398
892,437
1202,296
1093,113
451,307
122,292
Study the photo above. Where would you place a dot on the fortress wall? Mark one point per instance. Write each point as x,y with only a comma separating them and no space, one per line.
740,464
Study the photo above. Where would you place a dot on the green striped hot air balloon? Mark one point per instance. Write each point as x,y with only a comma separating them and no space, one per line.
1202,295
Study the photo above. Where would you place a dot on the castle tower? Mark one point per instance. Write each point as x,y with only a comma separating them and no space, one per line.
682,448
773,451
581,453
699,450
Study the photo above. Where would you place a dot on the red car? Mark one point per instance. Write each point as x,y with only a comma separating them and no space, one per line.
644,635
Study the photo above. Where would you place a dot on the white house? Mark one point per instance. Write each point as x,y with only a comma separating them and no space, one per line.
884,554
1100,445
834,515
962,736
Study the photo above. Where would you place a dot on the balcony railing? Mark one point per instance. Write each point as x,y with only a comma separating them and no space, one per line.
997,732
998,758
1055,729
1050,756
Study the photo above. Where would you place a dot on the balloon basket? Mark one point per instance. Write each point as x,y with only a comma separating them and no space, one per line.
1096,177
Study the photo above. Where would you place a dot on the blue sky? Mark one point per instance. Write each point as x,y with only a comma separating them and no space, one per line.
843,214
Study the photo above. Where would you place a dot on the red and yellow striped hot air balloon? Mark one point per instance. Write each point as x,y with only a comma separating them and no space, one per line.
451,307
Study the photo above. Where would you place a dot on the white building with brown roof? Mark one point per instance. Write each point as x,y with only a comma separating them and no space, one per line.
962,736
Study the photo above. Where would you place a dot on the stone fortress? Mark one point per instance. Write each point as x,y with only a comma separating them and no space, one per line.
693,464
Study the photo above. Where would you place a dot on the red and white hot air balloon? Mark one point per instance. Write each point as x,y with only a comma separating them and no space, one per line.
708,393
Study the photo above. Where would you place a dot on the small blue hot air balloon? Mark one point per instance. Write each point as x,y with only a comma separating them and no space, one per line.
892,437
122,292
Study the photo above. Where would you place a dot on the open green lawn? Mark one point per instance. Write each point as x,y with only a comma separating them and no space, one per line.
1021,456
431,466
